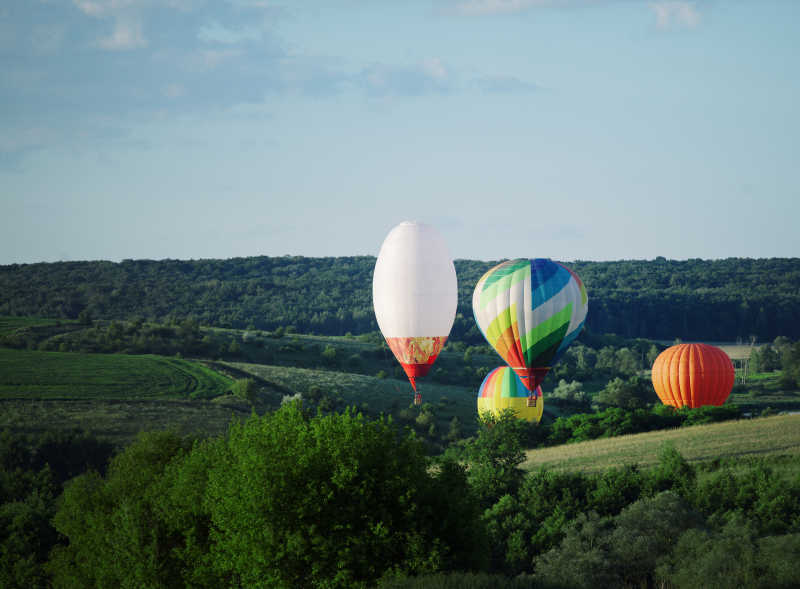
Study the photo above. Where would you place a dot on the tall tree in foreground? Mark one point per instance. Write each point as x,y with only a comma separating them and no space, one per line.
283,501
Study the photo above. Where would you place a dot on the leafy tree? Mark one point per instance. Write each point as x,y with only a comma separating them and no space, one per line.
336,500
245,388
770,502
570,393
790,363
620,551
647,530
652,354
26,537
765,359
703,559
495,455
581,561
672,473
616,488
116,534
329,354
632,393
454,433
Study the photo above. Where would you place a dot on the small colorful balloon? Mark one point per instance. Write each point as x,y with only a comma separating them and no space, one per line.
502,389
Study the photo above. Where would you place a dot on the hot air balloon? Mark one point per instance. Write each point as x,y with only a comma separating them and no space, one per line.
503,389
414,294
530,311
693,375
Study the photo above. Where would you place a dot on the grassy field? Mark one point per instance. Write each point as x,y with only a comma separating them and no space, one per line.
765,436
376,395
12,324
120,421
64,375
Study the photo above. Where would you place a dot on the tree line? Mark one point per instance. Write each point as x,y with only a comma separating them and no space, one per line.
713,300
291,499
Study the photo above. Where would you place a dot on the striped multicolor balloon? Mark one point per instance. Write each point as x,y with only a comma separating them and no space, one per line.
530,311
502,389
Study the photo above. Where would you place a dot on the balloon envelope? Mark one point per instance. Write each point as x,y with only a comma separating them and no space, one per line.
414,294
530,311
693,375
502,389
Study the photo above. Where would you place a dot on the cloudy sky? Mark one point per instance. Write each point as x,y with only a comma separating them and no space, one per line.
571,129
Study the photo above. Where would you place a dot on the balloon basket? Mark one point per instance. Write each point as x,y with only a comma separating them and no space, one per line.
531,401
417,399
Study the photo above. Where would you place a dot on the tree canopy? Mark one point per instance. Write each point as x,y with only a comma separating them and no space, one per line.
695,299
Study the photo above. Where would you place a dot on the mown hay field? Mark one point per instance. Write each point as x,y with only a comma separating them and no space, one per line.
26,374
776,435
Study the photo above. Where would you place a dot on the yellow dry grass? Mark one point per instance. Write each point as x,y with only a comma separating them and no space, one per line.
762,436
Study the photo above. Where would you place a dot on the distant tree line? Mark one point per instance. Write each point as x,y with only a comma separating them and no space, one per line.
711,300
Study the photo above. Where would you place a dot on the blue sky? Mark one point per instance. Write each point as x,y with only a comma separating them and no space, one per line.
570,129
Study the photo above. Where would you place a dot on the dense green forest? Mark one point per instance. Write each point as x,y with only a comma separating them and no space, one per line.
712,300
293,499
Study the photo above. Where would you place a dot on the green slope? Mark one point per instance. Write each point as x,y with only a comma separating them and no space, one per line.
777,435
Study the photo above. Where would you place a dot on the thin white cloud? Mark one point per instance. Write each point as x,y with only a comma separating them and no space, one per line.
127,34
382,79
675,14
102,8
216,33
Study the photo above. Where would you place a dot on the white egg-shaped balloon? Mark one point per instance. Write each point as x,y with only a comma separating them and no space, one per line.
414,294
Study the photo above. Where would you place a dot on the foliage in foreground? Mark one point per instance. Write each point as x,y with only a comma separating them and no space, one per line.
283,501
339,500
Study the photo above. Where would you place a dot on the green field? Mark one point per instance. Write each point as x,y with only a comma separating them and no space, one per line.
65,375
766,436
376,395
11,324
120,421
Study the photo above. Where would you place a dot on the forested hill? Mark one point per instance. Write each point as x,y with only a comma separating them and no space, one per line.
716,300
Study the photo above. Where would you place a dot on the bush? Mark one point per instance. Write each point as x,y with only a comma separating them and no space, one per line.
672,473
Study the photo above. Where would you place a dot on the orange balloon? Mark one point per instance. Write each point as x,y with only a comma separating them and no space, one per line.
693,375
